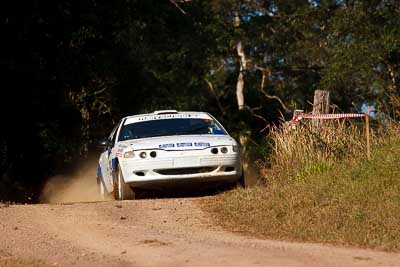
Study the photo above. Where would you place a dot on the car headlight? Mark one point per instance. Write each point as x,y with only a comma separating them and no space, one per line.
235,148
129,154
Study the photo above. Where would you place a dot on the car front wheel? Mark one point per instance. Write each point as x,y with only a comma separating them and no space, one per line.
122,191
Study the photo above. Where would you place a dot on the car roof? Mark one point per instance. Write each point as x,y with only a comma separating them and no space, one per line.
160,114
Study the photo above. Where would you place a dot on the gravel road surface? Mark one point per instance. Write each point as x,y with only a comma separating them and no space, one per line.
151,232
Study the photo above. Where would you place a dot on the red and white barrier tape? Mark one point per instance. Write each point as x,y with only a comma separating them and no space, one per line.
327,116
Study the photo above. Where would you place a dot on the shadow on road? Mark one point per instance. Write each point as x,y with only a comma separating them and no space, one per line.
183,192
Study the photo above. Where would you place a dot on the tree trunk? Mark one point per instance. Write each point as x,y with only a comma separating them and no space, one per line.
240,81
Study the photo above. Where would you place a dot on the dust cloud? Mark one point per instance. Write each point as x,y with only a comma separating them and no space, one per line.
79,187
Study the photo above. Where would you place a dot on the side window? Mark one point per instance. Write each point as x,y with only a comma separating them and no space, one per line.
113,135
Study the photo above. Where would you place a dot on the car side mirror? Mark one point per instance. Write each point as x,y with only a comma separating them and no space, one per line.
103,143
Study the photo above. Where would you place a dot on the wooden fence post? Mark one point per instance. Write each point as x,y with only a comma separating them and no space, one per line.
320,105
367,136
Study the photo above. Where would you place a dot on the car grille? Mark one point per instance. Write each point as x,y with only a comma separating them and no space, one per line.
182,171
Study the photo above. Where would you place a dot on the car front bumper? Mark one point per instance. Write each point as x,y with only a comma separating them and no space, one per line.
153,173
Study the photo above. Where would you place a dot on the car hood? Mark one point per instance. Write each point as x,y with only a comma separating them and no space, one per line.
187,142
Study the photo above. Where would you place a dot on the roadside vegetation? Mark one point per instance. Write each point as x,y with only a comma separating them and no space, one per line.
320,188
75,68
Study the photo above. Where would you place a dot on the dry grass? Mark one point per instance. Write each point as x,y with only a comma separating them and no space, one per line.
323,190
303,147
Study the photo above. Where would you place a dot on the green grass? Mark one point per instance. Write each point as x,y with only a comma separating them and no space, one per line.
352,203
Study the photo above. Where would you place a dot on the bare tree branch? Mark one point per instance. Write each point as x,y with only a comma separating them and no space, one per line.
211,87
278,99
99,91
265,72
175,3
251,110
220,67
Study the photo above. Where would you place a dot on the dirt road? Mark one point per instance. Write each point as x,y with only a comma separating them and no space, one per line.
162,232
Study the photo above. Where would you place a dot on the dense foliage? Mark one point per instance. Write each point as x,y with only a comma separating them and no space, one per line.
72,68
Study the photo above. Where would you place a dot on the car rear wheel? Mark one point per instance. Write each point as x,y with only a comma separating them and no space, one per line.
122,191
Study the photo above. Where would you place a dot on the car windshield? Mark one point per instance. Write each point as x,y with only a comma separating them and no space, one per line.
166,127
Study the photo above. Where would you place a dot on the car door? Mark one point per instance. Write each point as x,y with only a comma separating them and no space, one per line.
105,161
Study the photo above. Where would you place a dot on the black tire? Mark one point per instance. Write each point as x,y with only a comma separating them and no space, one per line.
122,191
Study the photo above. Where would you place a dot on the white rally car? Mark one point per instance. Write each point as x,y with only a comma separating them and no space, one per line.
151,151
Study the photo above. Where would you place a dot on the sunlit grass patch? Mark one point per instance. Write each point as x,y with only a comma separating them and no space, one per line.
342,201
